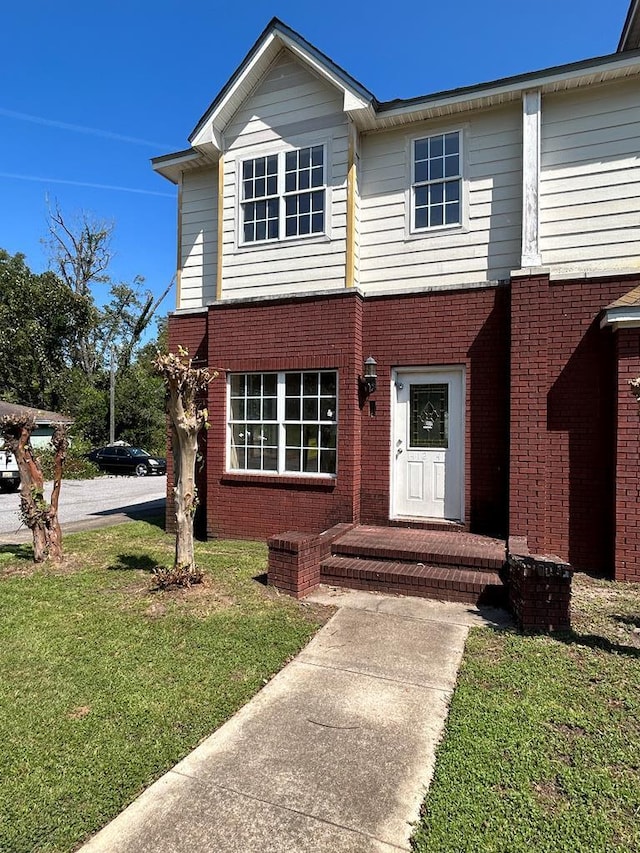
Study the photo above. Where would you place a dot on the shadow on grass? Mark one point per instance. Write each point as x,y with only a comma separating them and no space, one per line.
18,552
261,578
133,563
573,638
634,621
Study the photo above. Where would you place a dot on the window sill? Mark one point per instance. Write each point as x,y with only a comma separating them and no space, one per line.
439,231
312,239
276,481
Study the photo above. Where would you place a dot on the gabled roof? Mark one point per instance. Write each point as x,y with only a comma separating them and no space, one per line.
363,107
271,41
630,37
623,313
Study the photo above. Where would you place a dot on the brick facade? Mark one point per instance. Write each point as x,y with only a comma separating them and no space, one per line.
545,457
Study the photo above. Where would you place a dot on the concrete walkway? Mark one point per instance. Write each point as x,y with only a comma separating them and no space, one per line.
334,754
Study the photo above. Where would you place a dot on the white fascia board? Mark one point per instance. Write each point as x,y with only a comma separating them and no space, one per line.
621,318
213,129
542,81
170,166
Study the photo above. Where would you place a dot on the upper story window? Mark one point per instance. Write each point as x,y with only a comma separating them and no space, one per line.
437,181
284,195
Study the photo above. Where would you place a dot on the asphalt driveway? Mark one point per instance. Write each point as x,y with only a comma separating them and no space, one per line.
91,503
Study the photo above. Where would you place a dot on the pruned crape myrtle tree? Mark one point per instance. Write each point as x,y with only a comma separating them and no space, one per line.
39,516
186,387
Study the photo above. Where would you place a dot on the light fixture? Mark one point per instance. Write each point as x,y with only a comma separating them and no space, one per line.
369,381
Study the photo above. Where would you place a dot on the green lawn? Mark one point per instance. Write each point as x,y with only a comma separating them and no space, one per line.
542,746
104,685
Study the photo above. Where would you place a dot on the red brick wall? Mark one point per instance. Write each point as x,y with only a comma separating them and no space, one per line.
466,327
627,537
563,419
302,334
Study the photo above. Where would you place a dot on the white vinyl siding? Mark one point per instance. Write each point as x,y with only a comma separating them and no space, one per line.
590,181
290,108
486,248
199,232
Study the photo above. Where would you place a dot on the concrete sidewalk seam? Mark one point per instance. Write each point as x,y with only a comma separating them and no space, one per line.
229,790
447,691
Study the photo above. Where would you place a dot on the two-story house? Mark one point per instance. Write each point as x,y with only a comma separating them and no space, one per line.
427,310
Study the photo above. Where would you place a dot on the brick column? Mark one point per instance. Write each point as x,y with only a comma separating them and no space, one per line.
528,452
627,495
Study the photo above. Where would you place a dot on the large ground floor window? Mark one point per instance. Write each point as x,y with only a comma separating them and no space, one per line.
283,423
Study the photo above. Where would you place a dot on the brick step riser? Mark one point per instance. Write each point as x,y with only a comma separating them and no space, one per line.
411,557
489,594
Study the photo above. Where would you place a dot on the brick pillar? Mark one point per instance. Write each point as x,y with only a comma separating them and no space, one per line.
627,495
530,317
539,589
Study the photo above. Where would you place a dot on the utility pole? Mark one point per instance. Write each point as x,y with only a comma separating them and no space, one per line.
112,398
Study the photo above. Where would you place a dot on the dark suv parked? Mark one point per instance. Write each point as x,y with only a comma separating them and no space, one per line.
128,460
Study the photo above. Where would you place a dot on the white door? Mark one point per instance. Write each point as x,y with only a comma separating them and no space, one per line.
427,444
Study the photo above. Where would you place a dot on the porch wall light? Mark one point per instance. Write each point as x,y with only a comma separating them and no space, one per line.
369,381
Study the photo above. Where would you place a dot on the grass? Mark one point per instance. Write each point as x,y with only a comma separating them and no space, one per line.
542,745
104,684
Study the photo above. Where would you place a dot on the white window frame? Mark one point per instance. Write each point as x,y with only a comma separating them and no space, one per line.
281,151
281,424
463,224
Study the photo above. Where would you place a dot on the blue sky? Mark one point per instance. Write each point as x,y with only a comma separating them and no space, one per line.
90,91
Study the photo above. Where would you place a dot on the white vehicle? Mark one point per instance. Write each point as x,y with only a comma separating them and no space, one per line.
9,474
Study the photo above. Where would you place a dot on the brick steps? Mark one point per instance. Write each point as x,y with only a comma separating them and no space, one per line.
443,583
454,550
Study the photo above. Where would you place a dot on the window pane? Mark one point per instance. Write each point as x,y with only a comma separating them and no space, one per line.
247,188
421,218
310,461
452,191
421,196
292,384
260,167
272,185
304,157
327,408
310,383
422,171
328,436
261,210
317,223
437,215
429,415
291,228
272,208
237,385
261,188
290,183
452,213
436,146
293,435
436,193
270,459
452,143
436,169
254,384
261,230
269,435
303,180
317,155
317,177
421,149
237,410
269,409
249,235
272,164
253,410
270,384
273,229
292,409
304,203
291,161
292,461
238,458
318,202
451,166
304,224
327,461
328,383
247,169
310,435
310,409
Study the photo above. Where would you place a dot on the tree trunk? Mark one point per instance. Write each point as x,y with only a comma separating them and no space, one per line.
39,516
185,450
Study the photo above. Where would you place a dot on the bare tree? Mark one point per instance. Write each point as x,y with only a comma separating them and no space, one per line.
186,386
39,516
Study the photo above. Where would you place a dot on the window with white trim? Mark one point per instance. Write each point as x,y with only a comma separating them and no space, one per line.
283,195
283,423
437,181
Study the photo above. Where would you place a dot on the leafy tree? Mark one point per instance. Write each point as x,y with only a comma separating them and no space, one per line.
41,322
